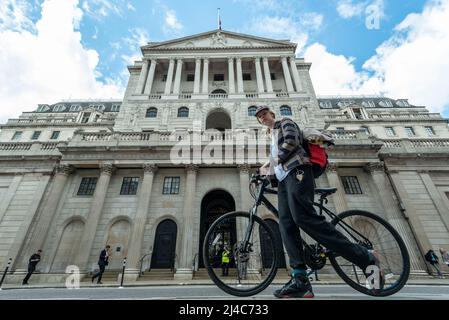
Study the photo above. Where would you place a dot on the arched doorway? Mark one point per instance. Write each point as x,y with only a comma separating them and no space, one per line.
118,238
218,120
215,204
68,245
218,91
266,249
164,248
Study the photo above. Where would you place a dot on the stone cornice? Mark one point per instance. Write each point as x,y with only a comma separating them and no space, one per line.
149,168
64,169
107,168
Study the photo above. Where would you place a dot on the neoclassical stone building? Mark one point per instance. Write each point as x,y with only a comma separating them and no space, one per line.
77,175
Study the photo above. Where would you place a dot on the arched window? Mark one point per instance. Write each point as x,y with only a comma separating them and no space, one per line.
252,111
286,111
183,112
151,113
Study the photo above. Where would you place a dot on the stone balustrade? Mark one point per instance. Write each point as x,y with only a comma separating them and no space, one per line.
416,146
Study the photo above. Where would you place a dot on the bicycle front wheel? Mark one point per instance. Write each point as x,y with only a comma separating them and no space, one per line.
374,233
247,267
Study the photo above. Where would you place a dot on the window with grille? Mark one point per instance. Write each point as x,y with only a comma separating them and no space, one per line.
164,78
390,131
183,112
366,130
85,118
17,135
252,111
286,111
87,186
410,132
151,113
129,185
246,76
430,131
171,185
55,135
351,185
219,77
36,135
190,77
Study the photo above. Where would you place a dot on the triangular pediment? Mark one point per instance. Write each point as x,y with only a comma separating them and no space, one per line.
219,39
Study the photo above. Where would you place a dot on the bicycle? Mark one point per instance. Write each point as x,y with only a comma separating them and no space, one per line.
256,249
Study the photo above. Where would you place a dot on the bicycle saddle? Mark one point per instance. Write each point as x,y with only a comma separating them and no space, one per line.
325,191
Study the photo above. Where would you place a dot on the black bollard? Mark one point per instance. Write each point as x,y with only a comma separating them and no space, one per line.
123,273
4,273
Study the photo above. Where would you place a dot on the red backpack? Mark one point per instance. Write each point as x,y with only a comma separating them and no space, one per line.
315,142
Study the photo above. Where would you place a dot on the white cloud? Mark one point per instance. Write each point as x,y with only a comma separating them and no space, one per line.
102,8
171,22
347,9
411,64
50,64
14,15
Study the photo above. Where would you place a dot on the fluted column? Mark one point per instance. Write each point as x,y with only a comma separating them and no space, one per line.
288,79
93,217
150,79
137,235
142,77
169,80
178,77
259,78
266,70
239,76
196,84
338,197
295,74
206,76
231,75
49,211
186,254
384,194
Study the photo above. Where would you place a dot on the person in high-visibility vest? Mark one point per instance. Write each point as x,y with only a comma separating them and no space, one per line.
225,259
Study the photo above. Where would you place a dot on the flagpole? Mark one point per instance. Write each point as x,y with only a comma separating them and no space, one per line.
219,20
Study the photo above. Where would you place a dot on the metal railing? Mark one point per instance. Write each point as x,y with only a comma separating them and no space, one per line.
145,256
173,265
195,263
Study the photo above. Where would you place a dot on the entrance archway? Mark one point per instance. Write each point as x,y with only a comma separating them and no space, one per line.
164,245
215,204
218,120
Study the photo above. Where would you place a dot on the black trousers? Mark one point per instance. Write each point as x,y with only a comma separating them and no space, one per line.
30,272
295,202
225,269
99,274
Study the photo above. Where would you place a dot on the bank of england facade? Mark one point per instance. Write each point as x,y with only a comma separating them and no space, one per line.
77,175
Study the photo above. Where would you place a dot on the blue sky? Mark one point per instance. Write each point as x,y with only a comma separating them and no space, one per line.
53,49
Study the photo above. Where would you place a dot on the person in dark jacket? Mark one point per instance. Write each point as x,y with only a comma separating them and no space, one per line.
290,163
432,258
103,261
32,262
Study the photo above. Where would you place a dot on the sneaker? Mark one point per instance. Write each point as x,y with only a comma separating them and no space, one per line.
375,260
297,287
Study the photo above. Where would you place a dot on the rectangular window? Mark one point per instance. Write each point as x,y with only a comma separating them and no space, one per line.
164,78
17,135
129,185
36,135
87,186
246,76
410,132
85,118
351,185
219,77
171,185
358,114
340,129
273,76
390,131
429,131
190,77
55,135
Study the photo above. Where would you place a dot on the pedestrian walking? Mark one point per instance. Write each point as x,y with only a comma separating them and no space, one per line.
103,261
444,256
32,262
432,258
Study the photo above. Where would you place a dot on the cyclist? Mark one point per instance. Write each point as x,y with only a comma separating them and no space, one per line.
290,164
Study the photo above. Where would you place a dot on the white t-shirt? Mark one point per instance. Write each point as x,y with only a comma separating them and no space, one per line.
278,169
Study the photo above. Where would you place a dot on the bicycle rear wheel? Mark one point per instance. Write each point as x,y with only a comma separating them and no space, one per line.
253,264
374,233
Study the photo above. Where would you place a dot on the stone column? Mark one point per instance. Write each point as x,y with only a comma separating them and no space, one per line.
266,70
96,207
384,194
239,76
186,254
142,77
196,84
49,211
260,86
150,78
246,198
288,79
137,235
231,75
206,76
338,197
169,77
410,214
178,77
295,74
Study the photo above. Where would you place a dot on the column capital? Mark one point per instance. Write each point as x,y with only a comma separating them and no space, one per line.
257,58
284,58
372,167
244,168
423,170
64,169
206,60
265,59
107,168
332,166
149,168
180,60
198,59
153,61
292,58
238,59
192,168
231,59
171,60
